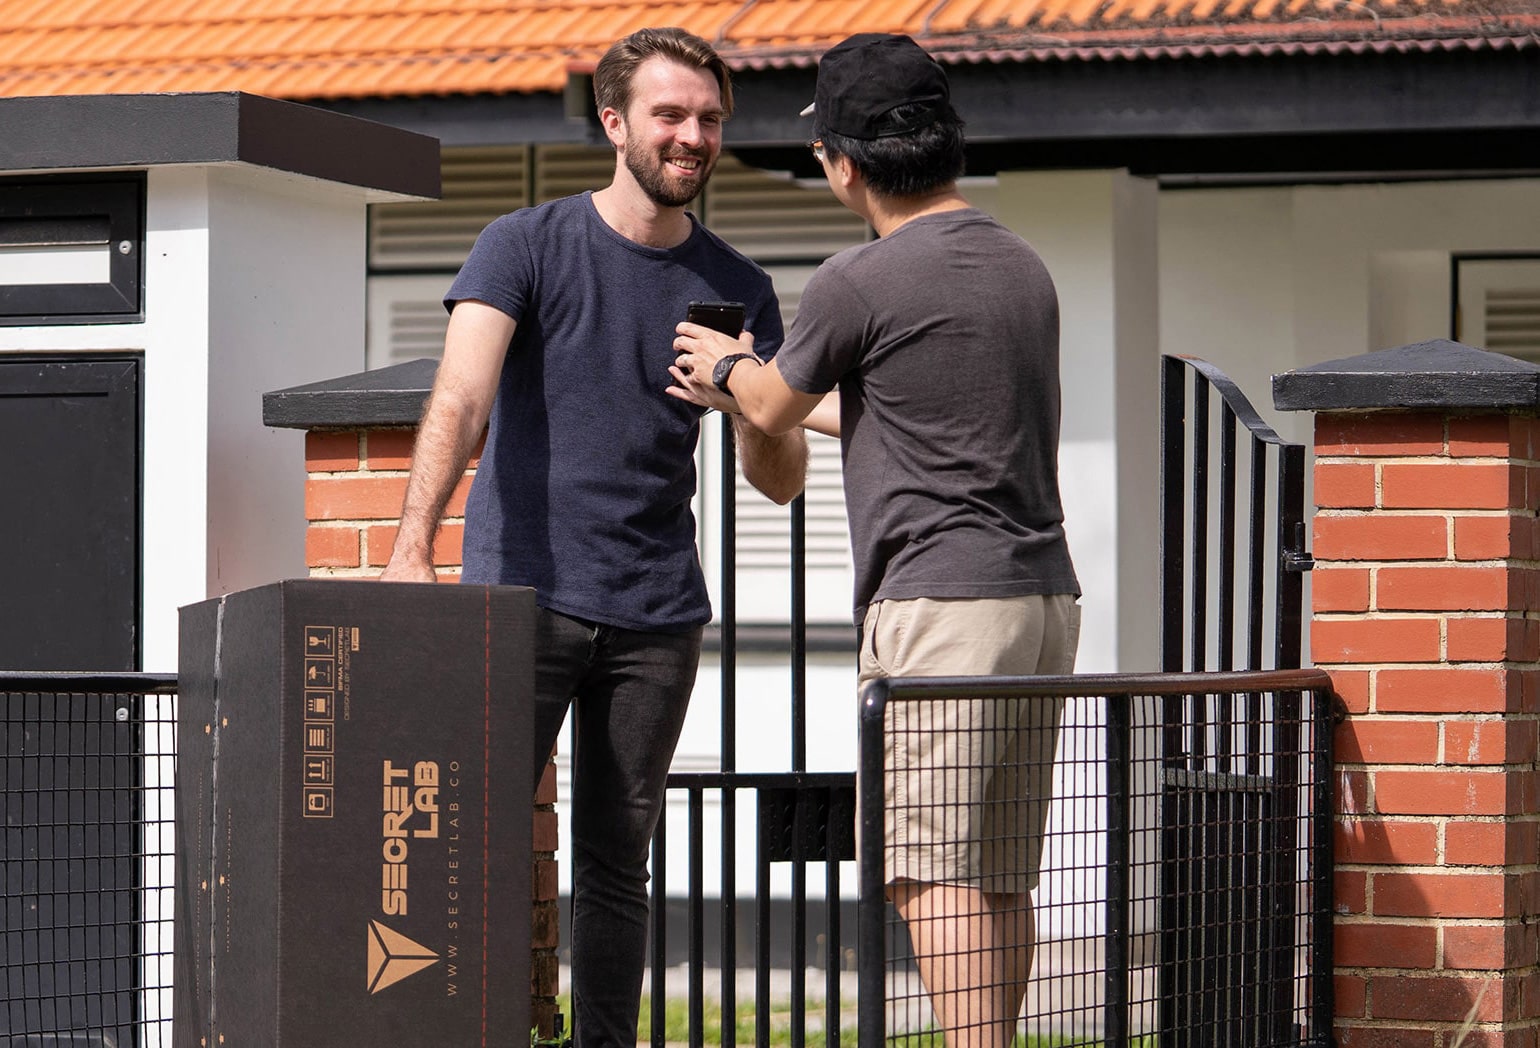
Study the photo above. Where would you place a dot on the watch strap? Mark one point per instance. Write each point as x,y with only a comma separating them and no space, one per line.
724,368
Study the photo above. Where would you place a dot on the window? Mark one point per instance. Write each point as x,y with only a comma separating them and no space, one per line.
1497,304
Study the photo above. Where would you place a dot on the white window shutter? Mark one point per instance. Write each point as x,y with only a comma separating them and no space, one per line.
406,318
564,170
1499,307
772,218
479,184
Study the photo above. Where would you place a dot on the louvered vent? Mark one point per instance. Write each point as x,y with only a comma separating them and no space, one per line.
563,170
1499,305
406,318
764,528
1513,321
479,184
771,218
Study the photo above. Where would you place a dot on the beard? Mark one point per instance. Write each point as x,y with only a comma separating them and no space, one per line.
651,174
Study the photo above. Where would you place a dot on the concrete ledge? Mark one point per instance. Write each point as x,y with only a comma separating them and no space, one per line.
86,132
1439,374
391,396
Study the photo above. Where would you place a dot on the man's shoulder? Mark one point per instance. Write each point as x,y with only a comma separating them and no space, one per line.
560,210
710,241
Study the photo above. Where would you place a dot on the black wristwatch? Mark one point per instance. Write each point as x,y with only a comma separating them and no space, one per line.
724,368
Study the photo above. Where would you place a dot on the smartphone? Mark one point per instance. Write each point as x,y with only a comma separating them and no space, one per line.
726,317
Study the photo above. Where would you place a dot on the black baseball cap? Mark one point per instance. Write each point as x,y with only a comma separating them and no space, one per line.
863,78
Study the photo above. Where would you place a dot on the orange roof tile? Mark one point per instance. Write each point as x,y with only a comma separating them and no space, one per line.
314,49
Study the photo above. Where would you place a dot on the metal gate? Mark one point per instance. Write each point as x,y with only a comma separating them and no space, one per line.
1232,593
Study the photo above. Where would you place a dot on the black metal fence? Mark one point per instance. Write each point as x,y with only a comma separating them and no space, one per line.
85,943
1186,862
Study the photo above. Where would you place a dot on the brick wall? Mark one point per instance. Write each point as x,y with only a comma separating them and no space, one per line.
1425,542
355,480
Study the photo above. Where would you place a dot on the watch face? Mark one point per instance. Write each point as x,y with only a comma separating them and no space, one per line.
723,369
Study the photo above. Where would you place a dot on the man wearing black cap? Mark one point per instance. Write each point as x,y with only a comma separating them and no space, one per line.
942,337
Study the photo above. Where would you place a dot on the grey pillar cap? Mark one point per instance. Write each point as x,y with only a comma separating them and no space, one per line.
1428,375
390,396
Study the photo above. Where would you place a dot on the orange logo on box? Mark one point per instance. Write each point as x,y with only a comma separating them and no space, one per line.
392,957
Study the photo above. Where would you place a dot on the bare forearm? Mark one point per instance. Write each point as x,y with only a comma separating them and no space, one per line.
825,418
776,465
439,457
452,423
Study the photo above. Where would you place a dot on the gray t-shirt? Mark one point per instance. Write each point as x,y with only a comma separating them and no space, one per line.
943,338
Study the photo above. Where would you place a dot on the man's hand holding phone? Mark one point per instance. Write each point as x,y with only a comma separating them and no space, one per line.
711,332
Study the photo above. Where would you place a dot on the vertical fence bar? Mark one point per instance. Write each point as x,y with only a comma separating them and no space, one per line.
729,744
1197,642
1173,394
871,937
799,925
831,958
1323,1001
697,920
1291,551
1115,1016
1255,584
729,914
762,934
799,634
798,765
659,947
1225,613
1288,764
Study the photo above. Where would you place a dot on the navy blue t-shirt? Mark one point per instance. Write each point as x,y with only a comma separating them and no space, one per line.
583,491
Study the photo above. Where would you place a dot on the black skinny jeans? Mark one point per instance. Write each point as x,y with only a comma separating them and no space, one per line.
629,691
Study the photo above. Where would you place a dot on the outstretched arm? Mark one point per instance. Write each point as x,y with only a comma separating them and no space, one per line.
455,416
777,466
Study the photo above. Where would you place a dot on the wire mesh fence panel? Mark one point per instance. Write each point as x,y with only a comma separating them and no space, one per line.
1098,860
85,940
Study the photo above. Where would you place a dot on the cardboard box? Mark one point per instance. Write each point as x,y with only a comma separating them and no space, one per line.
353,816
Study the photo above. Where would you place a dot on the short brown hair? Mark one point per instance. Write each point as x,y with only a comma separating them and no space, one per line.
615,71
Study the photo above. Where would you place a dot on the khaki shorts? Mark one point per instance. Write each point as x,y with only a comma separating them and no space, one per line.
968,782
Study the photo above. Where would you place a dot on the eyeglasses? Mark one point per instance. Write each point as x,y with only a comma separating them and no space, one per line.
816,145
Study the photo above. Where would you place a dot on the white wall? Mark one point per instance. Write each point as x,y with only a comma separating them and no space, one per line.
1096,231
286,263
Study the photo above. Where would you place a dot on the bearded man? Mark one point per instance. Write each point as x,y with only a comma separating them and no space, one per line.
559,345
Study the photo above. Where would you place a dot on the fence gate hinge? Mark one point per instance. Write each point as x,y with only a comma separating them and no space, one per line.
1296,557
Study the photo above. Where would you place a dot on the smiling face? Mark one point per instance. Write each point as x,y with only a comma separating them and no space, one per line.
671,133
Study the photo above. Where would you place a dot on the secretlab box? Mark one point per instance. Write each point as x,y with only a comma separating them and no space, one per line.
353,816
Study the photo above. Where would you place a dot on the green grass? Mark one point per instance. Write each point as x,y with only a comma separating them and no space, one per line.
676,1029
676,1025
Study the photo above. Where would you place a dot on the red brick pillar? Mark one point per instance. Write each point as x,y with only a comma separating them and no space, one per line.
354,483
1424,601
